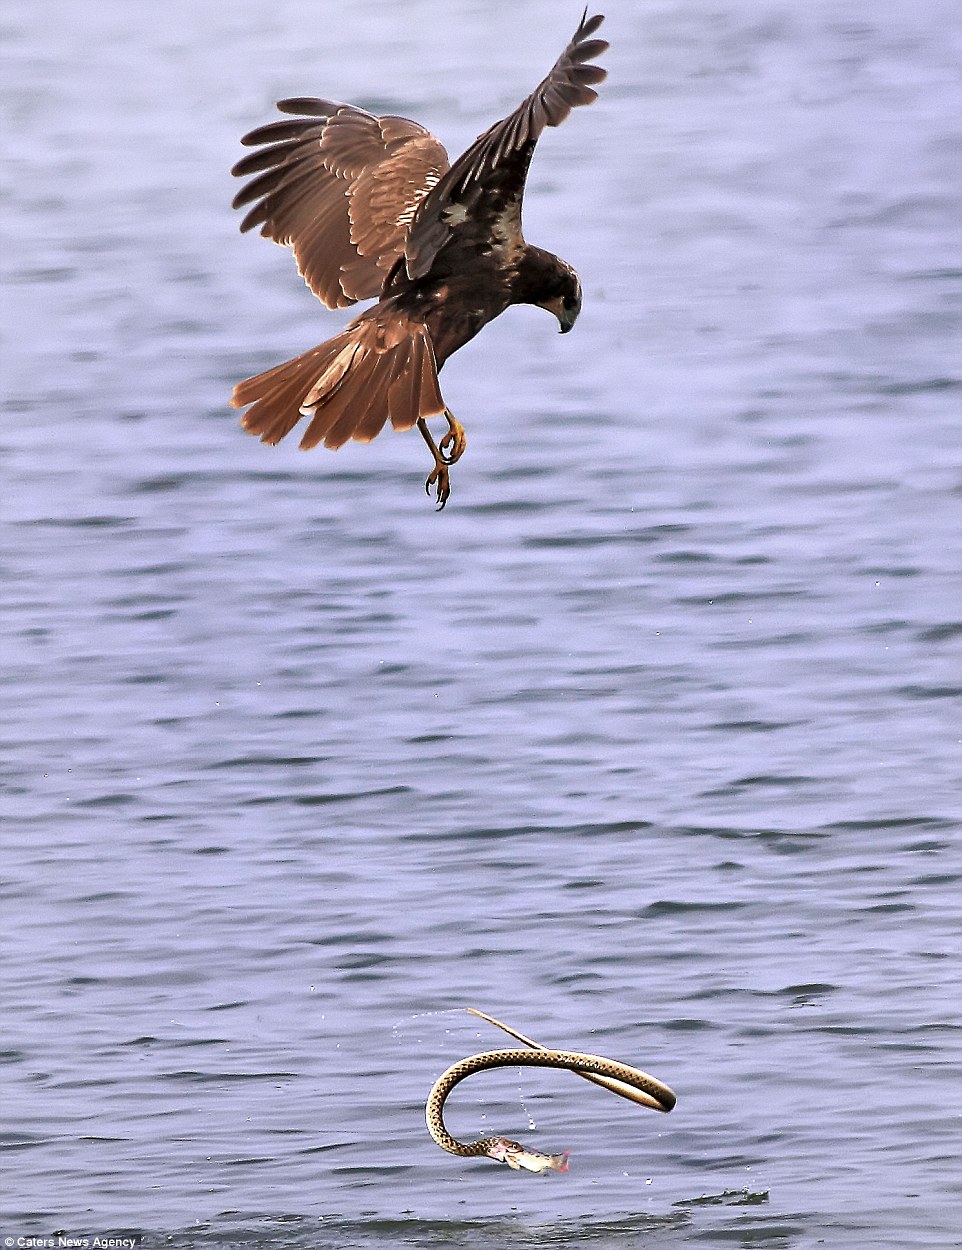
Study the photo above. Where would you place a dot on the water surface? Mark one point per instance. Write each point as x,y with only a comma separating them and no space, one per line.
650,743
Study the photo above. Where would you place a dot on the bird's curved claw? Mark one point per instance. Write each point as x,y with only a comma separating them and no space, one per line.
451,447
440,479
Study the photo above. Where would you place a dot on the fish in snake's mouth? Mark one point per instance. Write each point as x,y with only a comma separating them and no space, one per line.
515,1156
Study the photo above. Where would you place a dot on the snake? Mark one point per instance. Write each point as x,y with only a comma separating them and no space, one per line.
619,1078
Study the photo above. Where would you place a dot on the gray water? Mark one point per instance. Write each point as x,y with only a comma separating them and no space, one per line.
649,744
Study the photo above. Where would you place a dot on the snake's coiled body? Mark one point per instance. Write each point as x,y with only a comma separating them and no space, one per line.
620,1078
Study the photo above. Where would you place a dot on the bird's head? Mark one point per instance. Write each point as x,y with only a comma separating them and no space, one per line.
564,299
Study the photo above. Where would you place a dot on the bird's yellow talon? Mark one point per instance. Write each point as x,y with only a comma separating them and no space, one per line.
439,479
454,442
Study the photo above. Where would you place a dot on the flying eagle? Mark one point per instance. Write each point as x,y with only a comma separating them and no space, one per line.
372,207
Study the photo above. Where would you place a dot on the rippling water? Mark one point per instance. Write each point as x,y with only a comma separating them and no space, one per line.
649,744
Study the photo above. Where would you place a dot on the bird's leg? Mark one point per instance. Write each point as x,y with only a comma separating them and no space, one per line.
439,476
447,453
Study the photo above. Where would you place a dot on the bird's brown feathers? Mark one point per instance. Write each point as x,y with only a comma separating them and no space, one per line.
351,193
382,366
489,177
340,188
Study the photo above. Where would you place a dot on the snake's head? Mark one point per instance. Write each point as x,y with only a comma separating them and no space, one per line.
515,1156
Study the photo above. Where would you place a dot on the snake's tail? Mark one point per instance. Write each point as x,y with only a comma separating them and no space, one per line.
498,1024
609,1083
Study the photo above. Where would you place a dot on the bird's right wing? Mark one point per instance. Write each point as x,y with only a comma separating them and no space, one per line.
478,200
340,187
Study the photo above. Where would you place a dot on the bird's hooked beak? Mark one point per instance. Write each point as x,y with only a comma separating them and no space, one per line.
567,317
567,314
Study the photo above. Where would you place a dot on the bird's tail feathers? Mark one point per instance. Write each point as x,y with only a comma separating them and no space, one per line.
381,367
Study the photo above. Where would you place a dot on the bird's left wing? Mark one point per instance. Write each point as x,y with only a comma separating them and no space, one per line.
339,186
482,190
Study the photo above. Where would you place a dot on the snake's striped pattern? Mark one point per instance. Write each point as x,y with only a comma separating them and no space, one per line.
649,1090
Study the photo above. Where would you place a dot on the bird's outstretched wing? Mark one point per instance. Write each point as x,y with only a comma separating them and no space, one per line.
479,197
340,187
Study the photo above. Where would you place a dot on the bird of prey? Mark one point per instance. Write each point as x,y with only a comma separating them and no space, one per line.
372,208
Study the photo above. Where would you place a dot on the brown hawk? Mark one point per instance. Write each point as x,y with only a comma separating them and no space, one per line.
373,209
